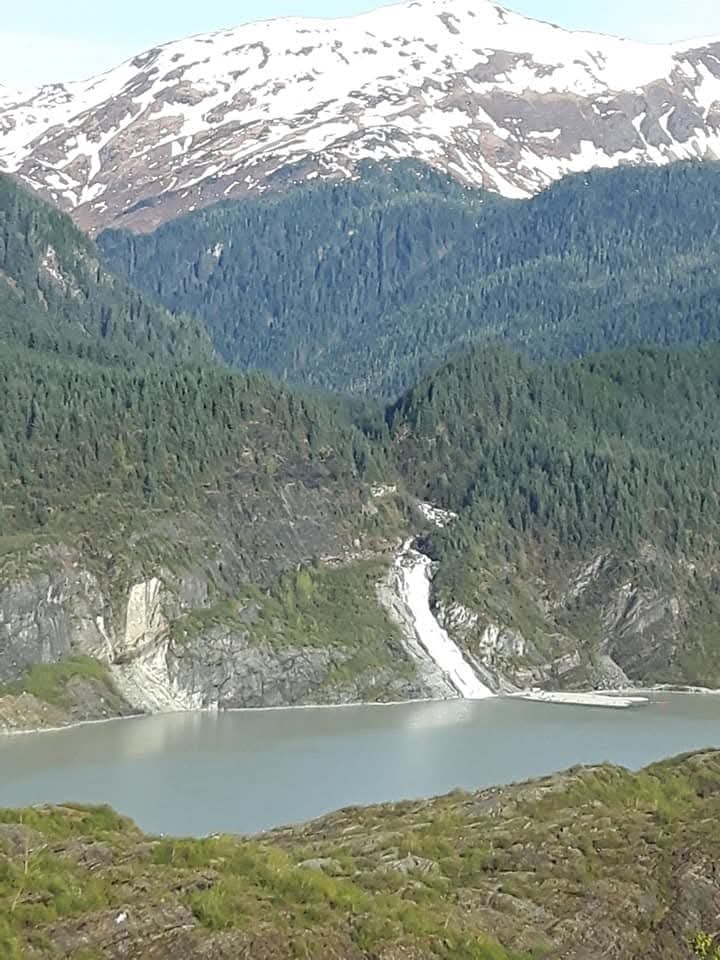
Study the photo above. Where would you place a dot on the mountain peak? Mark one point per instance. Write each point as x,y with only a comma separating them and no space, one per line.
496,99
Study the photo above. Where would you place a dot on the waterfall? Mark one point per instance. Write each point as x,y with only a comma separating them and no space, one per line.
413,577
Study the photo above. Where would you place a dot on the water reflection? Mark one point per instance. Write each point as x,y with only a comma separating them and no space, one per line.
440,714
249,770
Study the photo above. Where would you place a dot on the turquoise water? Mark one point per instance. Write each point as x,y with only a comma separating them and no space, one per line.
251,770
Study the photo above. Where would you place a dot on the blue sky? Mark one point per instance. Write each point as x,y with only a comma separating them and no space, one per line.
48,40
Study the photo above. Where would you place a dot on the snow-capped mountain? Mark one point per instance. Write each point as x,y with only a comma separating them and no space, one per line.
493,98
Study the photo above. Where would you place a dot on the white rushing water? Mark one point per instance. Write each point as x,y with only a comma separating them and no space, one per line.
414,577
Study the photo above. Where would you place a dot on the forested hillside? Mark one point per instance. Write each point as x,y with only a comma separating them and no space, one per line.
55,295
164,519
587,502
614,448
109,403
124,438
362,286
242,511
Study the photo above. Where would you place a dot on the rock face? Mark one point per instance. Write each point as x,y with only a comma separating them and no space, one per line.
604,623
227,669
493,98
206,631
596,630
221,667
46,618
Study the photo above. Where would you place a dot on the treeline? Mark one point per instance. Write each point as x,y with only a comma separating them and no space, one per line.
364,285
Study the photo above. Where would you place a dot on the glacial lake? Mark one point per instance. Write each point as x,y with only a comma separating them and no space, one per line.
246,771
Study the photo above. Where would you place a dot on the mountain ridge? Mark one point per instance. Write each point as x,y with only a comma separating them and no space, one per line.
494,98
363,285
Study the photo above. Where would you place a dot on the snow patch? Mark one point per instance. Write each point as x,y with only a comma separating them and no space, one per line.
282,91
436,515
581,699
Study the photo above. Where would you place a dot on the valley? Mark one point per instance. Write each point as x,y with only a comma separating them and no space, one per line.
212,539
359,432
364,286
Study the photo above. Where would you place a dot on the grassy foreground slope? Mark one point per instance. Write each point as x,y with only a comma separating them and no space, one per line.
595,863
51,695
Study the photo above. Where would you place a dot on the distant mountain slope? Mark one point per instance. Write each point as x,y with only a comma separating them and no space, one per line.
56,295
110,404
363,286
495,99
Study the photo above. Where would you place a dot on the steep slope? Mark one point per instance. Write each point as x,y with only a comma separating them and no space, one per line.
594,863
211,538
586,542
217,540
362,286
55,295
491,97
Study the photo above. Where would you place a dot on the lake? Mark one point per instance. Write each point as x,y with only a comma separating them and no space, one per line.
246,771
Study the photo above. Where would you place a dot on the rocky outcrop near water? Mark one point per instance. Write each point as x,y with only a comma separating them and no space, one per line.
56,616
608,622
270,604
327,616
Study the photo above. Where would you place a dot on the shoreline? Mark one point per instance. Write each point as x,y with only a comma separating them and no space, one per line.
24,732
607,699
214,710
614,699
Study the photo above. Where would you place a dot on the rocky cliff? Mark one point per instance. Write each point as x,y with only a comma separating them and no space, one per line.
606,622
334,622
273,608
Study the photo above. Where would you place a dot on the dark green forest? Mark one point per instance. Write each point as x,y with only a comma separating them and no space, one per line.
56,296
109,404
619,448
75,436
615,451
363,286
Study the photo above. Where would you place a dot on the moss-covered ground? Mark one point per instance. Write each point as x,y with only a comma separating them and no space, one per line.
595,863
